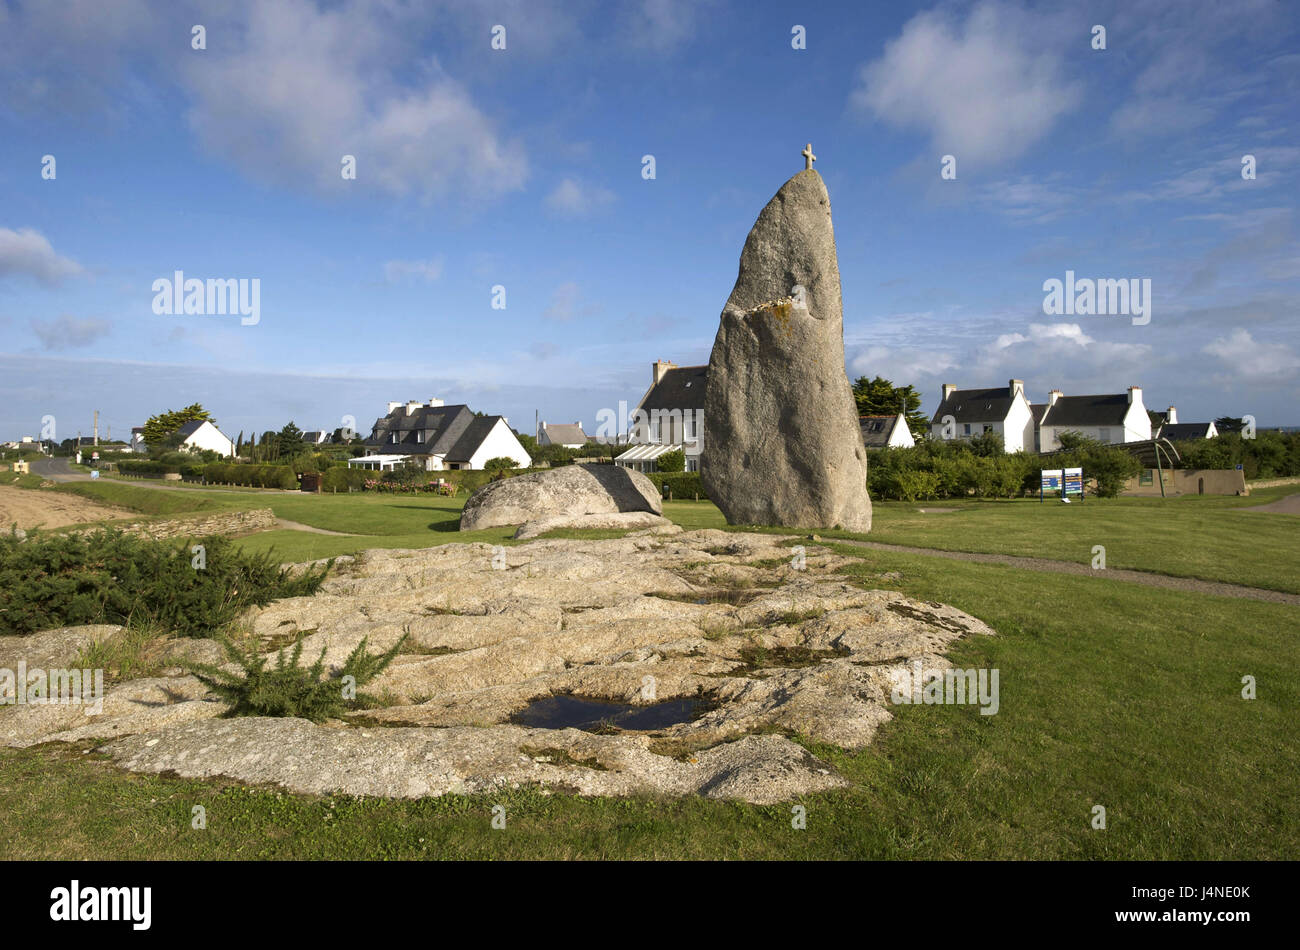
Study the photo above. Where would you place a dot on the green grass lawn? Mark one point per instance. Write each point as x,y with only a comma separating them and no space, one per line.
1111,694
1208,537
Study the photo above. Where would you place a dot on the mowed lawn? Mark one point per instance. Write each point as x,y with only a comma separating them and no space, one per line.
1111,694
1208,537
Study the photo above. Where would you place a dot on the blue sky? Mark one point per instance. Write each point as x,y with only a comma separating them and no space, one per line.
522,168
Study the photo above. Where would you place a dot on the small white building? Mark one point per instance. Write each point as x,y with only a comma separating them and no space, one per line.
439,437
202,435
1111,418
967,413
1165,425
886,432
569,436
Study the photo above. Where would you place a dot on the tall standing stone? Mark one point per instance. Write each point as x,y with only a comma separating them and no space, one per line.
782,444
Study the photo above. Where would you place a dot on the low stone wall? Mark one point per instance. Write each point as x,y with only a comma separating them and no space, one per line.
198,526
1272,482
1189,481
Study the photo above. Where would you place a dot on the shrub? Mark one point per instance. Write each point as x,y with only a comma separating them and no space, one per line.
288,689
672,461
109,576
681,484
499,467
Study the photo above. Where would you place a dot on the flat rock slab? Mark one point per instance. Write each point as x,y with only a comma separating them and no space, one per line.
53,649
763,639
413,763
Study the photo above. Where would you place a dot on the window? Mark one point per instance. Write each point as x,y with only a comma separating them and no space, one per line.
1103,435
966,429
692,465
988,428
688,426
654,430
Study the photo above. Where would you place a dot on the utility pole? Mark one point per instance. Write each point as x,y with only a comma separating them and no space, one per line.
96,428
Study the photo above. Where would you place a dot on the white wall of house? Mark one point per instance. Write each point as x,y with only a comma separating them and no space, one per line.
1135,427
901,437
208,437
500,441
1017,428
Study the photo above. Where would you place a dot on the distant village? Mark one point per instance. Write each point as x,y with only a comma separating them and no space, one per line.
433,436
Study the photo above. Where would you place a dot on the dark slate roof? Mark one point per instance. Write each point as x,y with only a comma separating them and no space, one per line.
1036,410
431,430
1106,410
680,388
190,428
877,430
975,405
1185,430
471,438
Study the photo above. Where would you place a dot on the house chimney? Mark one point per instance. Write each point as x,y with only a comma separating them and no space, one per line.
657,370
1171,416
948,390
1054,395
1017,387
393,405
434,402
1132,390
411,406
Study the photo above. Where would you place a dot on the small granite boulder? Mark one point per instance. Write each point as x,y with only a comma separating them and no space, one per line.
784,446
568,491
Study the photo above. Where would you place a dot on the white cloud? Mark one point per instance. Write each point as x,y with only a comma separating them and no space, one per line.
397,271
29,253
984,90
575,198
66,332
1252,361
295,88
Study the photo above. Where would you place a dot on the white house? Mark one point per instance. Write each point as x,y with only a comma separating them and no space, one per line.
569,436
1165,425
670,416
967,413
1111,418
200,434
137,440
315,437
437,437
886,432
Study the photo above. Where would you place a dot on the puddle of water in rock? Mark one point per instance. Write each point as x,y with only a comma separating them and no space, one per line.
596,715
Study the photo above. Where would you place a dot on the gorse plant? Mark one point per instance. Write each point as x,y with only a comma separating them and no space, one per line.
288,689
109,576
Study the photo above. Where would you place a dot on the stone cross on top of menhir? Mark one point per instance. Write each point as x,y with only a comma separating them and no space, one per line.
808,156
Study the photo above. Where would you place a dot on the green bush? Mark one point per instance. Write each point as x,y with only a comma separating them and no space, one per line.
109,576
682,485
288,689
671,461
145,467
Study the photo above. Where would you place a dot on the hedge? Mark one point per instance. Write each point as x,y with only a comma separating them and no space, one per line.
682,485
253,476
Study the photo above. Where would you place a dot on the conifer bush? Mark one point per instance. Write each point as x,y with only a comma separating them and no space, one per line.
109,576
289,689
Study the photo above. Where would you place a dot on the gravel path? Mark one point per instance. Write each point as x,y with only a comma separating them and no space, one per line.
1067,567
1290,505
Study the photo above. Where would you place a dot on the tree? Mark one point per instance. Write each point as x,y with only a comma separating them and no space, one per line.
880,397
673,461
157,429
289,441
1229,424
499,467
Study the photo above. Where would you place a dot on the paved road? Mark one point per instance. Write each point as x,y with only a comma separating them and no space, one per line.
60,470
